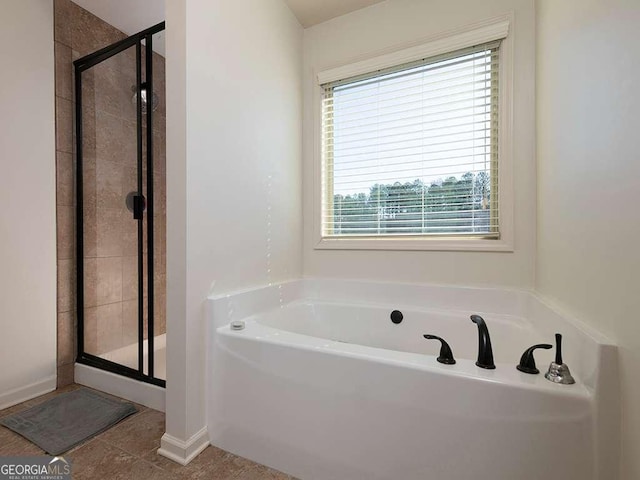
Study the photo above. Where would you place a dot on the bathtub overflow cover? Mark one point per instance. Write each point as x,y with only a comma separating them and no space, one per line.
396,316
237,325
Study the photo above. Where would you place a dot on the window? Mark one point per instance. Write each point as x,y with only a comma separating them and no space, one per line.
411,151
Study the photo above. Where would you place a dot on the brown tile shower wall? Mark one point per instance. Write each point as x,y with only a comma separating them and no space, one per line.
110,156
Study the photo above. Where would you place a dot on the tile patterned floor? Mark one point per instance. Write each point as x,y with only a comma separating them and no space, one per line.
127,451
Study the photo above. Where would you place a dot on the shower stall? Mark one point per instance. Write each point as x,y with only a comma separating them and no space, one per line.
120,208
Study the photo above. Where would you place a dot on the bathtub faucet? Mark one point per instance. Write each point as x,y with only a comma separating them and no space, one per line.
485,352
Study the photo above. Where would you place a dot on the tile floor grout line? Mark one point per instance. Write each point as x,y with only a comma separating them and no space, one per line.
148,452
106,442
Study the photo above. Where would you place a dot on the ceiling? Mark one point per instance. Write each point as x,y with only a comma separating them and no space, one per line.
312,12
132,16
129,16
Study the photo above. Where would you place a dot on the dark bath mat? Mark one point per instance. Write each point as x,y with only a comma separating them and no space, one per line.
69,419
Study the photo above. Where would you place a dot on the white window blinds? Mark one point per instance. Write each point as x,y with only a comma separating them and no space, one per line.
412,150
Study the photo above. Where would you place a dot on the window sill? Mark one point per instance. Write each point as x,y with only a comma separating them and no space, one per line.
415,243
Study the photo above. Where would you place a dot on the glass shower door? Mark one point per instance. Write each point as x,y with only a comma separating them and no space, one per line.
115,217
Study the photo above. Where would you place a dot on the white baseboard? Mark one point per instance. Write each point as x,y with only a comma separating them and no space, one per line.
22,394
183,452
143,393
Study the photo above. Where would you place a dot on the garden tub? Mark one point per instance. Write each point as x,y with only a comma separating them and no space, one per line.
321,384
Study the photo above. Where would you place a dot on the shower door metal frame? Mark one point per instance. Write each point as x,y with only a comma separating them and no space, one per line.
80,66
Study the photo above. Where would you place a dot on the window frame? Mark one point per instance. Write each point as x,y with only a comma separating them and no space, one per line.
487,31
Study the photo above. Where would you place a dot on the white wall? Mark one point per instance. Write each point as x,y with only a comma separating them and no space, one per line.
589,179
397,22
27,201
234,100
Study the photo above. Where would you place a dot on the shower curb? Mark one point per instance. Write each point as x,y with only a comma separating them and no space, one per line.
143,393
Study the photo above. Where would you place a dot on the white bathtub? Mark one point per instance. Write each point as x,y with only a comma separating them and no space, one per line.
322,385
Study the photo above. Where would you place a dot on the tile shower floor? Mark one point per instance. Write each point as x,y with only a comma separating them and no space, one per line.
128,451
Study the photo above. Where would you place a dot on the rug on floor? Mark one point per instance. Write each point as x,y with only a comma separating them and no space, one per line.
59,424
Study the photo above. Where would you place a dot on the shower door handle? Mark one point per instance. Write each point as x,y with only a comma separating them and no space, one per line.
139,204
136,203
